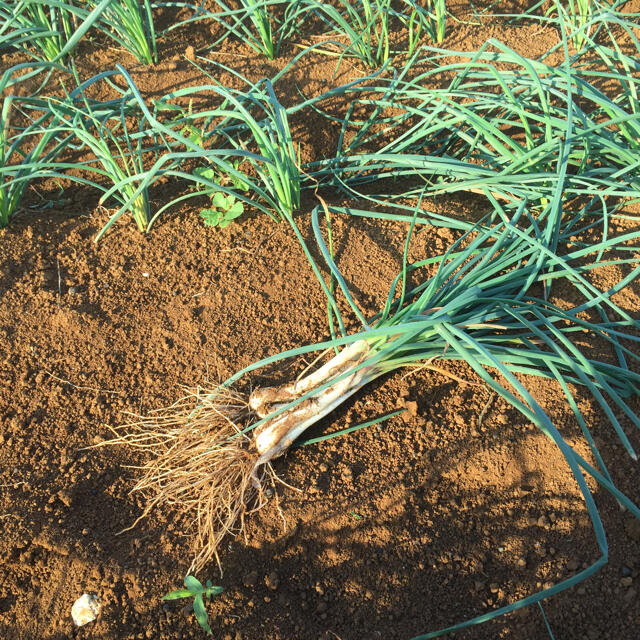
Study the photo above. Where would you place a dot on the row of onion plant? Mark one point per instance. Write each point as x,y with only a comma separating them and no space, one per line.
366,26
491,130
49,30
499,130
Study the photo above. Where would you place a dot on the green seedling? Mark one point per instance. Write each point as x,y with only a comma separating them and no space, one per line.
225,209
195,588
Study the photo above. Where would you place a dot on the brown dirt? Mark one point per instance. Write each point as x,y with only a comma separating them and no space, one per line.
452,509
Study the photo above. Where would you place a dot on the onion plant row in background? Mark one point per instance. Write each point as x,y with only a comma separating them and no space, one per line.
499,132
49,30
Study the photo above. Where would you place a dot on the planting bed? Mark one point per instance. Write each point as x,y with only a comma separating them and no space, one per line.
453,508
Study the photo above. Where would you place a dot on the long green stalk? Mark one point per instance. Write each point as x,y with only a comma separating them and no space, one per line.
26,151
130,23
35,25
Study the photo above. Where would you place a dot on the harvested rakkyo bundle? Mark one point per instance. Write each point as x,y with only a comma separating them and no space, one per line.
207,463
487,304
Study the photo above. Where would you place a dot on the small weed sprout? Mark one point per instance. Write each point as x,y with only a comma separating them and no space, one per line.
194,588
224,209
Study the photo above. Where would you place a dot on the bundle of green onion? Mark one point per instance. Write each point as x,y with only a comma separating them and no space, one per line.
487,305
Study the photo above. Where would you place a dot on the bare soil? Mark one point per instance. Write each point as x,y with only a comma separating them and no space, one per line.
447,511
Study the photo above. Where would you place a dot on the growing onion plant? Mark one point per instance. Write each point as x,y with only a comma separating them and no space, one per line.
252,23
51,29
28,141
249,128
130,24
41,29
367,25
110,135
574,17
264,24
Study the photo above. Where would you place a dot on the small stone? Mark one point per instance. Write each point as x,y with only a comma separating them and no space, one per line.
190,53
522,561
581,591
65,497
72,290
547,585
493,587
85,609
323,467
572,565
626,572
626,582
251,579
542,521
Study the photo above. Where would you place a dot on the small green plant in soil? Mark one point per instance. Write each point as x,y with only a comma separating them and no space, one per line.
194,588
224,210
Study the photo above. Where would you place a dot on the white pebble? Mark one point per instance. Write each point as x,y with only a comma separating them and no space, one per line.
85,609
